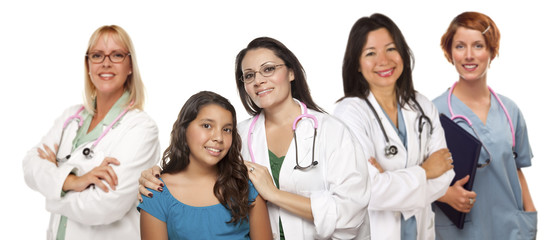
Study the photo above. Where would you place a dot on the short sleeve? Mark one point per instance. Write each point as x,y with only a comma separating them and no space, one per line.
157,205
522,145
253,193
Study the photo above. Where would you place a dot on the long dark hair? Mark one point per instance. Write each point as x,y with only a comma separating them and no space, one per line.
231,187
355,85
300,89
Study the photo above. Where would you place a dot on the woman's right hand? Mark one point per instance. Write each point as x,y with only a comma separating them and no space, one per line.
438,163
149,179
459,198
103,172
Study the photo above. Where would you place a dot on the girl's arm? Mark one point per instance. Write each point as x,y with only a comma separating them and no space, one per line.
152,228
259,224
262,180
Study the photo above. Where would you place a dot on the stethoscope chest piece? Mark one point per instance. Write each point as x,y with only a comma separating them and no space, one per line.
88,152
391,151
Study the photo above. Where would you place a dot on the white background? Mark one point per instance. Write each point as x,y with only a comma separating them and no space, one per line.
183,48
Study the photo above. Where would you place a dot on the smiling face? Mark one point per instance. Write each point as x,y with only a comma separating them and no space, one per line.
470,54
108,77
209,135
268,91
380,62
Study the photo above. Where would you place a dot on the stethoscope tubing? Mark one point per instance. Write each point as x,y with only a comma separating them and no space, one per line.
391,150
469,121
305,114
87,151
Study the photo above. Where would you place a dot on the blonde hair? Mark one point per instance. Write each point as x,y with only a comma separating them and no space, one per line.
133,83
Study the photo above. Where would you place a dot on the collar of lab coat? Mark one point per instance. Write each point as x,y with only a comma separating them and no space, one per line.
412,153
390,131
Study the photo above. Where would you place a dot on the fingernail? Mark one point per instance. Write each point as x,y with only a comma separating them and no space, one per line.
150,195
162,185
160,189
157,176
141,200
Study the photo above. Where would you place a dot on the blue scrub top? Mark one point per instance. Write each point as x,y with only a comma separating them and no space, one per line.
498,210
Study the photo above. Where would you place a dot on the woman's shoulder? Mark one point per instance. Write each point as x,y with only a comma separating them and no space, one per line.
425,103
74,109
139,118
440,99
508,102
350,101
244,125
329,123
421,98
349,106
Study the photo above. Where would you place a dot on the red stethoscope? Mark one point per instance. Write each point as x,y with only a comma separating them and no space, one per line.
305,114
88,151
454,117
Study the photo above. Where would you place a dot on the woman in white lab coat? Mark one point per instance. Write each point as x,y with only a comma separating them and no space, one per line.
316,183
87,169
398,129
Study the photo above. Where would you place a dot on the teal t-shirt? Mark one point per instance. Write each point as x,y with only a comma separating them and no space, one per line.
189,222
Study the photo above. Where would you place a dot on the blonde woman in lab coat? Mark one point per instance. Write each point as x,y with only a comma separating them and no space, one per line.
87,169
398,129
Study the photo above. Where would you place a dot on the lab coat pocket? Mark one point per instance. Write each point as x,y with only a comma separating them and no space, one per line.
308,181
527,224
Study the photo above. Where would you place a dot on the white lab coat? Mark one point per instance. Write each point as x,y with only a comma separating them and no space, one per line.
337,186
93,213
402,190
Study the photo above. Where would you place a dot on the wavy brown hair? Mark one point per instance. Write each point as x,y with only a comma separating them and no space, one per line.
231,187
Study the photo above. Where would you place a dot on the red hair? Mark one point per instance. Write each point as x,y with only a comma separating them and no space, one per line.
476,21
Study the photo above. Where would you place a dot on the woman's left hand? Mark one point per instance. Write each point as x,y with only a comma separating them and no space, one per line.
48,154
262,180
373,162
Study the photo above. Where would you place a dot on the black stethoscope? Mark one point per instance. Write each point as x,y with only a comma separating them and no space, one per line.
88,151
391,150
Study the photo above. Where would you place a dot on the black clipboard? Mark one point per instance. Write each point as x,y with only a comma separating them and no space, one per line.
465,149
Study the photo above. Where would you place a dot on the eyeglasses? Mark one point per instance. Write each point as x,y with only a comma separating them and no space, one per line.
266,70
115,56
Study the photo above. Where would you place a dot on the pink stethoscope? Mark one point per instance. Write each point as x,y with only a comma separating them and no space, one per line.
471,125
305,114
88,151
